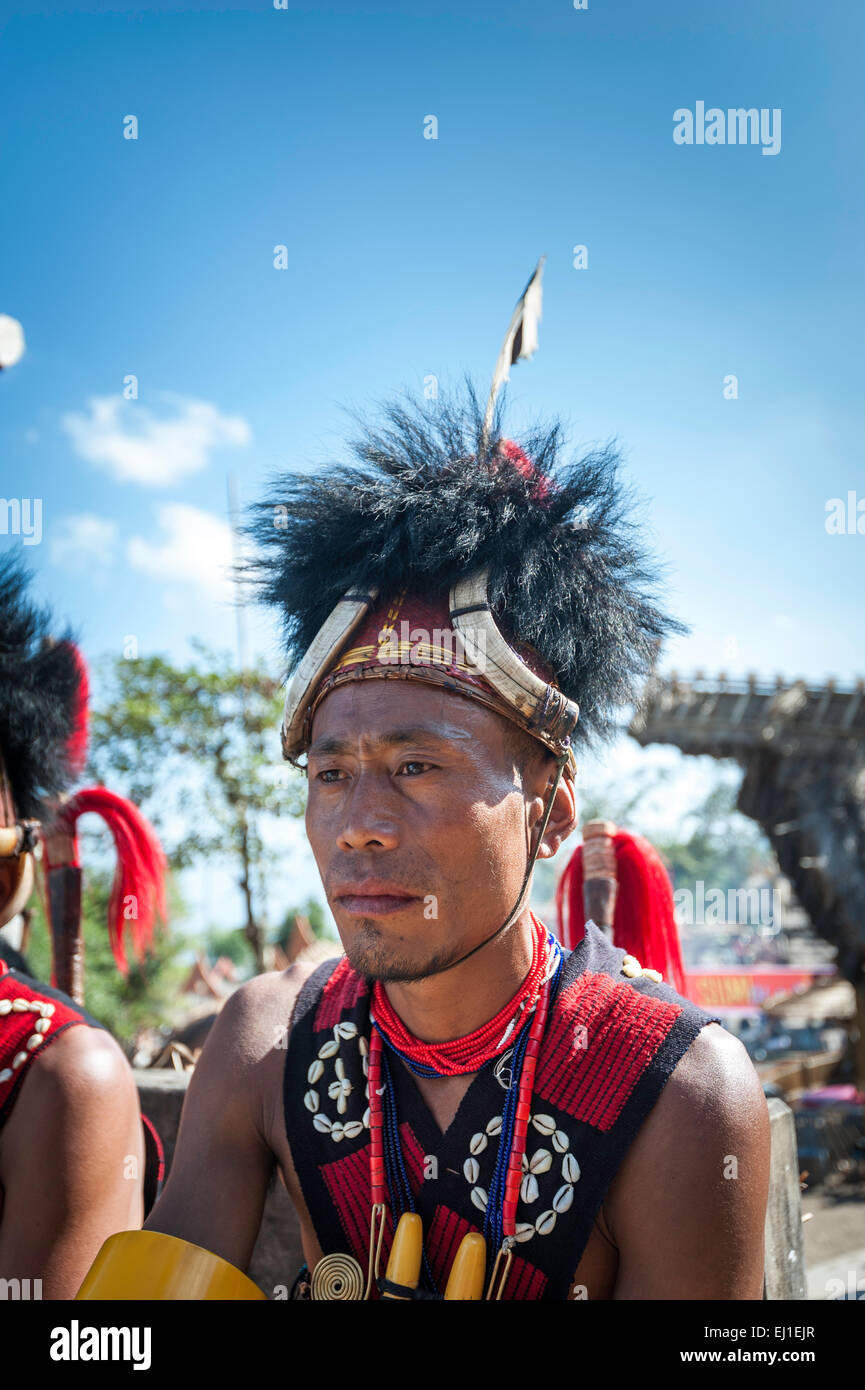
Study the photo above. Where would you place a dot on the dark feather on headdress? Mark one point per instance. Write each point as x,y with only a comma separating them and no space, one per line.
40,696
426,501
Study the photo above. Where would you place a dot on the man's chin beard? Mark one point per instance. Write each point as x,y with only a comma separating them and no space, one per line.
369,956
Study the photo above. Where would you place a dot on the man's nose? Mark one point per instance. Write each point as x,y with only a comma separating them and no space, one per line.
370,822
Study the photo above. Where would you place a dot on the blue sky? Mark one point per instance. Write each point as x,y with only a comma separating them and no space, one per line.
304,127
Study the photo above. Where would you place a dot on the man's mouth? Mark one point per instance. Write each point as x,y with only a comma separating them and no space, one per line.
375,900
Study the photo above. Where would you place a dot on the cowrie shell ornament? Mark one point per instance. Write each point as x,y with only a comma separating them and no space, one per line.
570,1169
41,1026
544,1124
541,1162
545,1223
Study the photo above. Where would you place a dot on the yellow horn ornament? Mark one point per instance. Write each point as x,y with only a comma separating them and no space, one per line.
148,1265
468,1271
403,1266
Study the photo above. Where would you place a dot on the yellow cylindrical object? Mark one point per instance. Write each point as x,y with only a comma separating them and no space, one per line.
10,841
403,1266
16,885
149,1265
468,1271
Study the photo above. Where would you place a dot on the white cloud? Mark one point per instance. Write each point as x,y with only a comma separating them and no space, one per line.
195,548
83,542
136,446
11,341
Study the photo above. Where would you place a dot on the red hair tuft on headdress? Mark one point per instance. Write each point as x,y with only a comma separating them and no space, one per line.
76,743
523,464
138,892
644,923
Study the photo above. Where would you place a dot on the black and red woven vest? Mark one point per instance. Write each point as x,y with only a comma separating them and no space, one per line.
610,1045
29,1010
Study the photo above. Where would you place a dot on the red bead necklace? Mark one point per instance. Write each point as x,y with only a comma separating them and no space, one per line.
480,1047
462,1055
377,1179
524,1100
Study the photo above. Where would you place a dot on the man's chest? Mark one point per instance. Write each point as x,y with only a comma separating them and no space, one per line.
453,1150
443,1096
594,1277
449,1144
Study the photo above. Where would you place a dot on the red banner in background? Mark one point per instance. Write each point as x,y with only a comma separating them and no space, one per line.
746,989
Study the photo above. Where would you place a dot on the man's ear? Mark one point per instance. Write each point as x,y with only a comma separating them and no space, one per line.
563,816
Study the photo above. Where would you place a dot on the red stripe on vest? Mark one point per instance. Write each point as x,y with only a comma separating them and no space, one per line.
414,1156
524,1280
447,1230
348,1183
17,1028
600,1040
340,994
445,1233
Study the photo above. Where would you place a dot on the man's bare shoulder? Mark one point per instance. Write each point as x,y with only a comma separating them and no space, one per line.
80,1090
255,1018
243,1060
697,1172
714,1077
712,1100
83,1064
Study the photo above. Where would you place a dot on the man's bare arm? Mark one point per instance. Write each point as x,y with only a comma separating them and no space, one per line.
72,1162
689,1205
222,1164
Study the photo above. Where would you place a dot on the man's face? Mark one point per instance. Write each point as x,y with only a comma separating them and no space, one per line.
417,820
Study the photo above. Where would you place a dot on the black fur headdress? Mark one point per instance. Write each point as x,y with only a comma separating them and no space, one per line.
429,498
43,695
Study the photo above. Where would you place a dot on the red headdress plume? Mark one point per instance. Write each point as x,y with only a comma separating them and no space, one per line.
631,882
138,892
523,464
76,743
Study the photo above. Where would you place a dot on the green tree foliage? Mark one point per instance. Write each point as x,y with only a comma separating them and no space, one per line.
722,847
232,943
146,997
714,842
315,915
197,748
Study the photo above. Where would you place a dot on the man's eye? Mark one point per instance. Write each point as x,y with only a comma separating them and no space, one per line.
416,764
329,774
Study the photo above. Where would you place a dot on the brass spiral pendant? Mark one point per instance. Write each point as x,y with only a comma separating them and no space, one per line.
337,1278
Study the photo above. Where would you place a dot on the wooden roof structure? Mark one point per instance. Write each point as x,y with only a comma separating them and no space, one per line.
729,718
802,748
